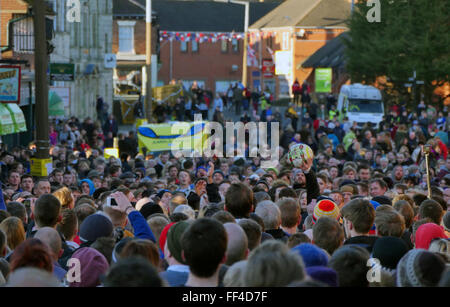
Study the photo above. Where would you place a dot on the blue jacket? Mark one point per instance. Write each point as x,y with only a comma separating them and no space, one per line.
2,201
141,228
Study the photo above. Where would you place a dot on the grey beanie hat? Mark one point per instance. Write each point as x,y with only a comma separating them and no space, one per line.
419,268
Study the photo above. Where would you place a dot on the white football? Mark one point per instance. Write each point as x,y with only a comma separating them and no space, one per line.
299,154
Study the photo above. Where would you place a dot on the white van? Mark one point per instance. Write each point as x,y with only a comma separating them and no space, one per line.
361,104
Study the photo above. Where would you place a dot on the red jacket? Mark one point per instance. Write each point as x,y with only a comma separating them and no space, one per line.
296,88
444,150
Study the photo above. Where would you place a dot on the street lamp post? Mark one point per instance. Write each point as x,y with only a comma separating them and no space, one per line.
247,13
41,64
148,61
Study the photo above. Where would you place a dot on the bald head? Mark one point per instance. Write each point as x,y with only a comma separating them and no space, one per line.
50,237
237,247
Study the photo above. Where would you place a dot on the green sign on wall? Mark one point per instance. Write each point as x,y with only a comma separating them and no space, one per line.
323,80
62,72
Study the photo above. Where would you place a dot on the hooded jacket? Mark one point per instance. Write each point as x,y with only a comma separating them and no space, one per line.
91,186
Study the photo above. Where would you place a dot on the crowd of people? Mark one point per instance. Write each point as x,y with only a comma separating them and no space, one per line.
360,213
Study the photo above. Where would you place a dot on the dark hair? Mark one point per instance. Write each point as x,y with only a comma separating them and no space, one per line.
25,176
178,217
32,253
404,208
381,182
287,192
47,210
204,245
188,164
68,224
259,196
290,212
133,272
445,279
253,231
210,210
389,223
105,246
4,215
239,200
350,264
223,217
364,186
419,198
83,211
431,209
328,234
441,202
141,248
297,239
361,213
257,219
363,166
435,191
2,242
114,169
17,209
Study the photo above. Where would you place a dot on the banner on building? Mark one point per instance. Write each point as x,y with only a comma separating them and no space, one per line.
268,68
58,98
10,84
252,61
283,62
62,72
323,80
63,92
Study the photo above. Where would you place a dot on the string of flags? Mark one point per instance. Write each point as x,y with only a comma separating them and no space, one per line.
212,37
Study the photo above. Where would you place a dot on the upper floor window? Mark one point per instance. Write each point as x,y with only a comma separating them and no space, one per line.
184,46
194,46
235,45
126,36
286,40
224,45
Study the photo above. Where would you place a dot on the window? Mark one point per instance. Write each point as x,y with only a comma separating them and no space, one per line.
224,45
106,50
85,43
55,6
269,42
285,40
94,30
62,17
126,36
194,46
184,46
235,45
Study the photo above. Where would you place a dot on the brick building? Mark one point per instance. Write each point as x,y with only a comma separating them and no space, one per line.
288,36
214,63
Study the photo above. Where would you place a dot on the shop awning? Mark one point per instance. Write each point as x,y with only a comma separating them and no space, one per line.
18,118
6,121
12,119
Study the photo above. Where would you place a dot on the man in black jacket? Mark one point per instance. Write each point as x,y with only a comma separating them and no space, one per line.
305,178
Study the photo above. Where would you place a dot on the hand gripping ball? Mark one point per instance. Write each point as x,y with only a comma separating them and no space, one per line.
299,154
